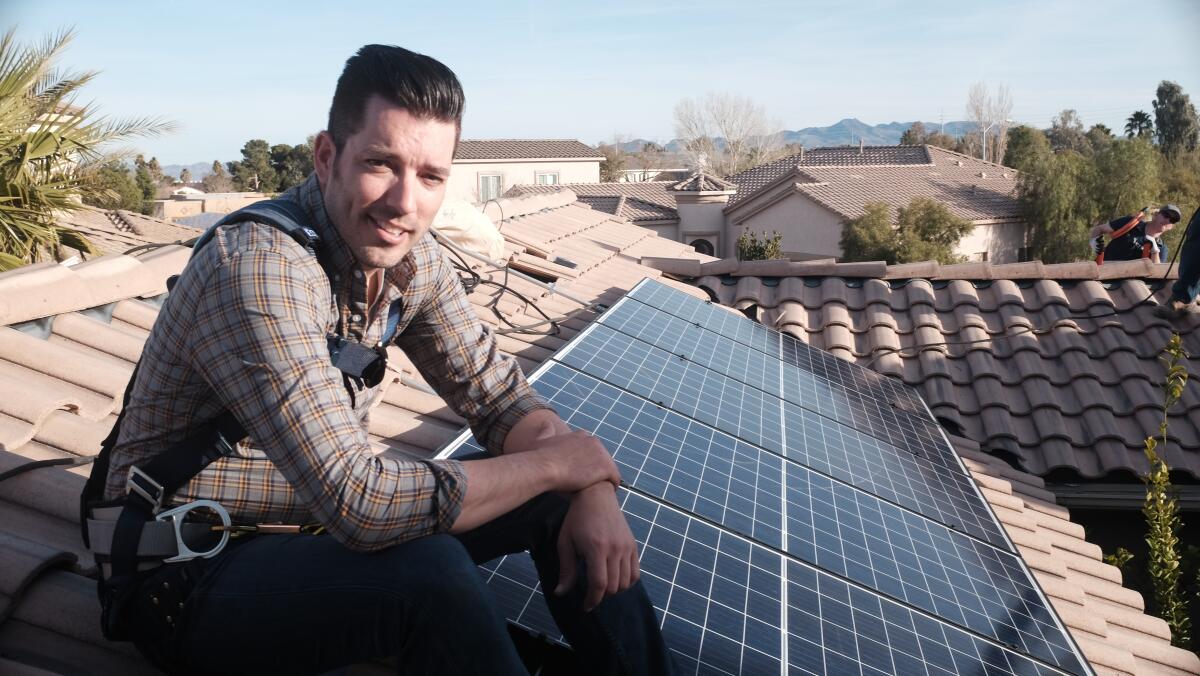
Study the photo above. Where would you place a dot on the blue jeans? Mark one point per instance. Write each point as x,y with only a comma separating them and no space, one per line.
305,604
1187,287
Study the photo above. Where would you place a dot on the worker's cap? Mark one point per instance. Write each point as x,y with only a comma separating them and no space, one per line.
1173,213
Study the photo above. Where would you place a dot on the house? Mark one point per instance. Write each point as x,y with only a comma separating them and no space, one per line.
69,339
485,168
185,204
807,197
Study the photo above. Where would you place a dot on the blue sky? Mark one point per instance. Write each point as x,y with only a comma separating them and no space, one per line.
228,72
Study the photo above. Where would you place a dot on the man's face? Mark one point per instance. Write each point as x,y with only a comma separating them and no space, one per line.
383,188
1159,224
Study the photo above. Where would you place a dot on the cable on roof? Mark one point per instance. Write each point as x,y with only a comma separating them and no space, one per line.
38,464
1055,324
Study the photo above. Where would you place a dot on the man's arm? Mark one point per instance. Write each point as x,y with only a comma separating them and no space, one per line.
1101,229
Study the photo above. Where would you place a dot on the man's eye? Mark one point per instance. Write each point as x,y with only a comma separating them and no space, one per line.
372,162
434,179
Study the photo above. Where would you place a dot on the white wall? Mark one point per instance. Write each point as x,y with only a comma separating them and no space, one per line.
464,174
1001,241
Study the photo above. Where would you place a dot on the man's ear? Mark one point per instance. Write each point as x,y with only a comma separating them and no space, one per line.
324,157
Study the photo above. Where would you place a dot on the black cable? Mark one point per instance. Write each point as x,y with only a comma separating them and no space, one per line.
37,464
1042,331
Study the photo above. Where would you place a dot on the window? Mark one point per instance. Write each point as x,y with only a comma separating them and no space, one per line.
489,187
703,246
547,178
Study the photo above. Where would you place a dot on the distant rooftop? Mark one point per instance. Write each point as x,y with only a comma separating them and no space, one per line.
524,149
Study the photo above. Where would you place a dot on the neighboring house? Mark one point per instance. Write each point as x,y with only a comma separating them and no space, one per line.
807,197
69,339
639,175
485,168
185,204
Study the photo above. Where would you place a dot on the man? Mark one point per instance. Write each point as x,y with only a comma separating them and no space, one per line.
1133,239
1184,291
245,330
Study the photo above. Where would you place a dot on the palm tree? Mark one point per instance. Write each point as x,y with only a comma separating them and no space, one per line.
50,149
1139,125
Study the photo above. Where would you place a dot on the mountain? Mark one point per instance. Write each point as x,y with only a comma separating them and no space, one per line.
845,132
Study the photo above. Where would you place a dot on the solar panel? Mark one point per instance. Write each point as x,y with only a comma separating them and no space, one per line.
758,418
781,535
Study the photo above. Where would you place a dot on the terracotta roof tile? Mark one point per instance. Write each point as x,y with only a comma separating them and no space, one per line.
643,201
55,624
702,182
518,149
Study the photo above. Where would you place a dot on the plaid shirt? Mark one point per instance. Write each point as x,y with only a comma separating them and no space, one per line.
245,329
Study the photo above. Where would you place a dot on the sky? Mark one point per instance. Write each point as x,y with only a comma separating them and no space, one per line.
227,72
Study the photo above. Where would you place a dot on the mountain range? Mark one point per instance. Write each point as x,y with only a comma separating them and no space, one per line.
845,132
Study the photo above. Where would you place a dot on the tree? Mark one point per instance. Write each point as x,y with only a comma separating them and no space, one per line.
941,140
924,230
914,135
1175,119
1139,125
145,179
218,180
612,167
1053,189
51,150
1066,132
751,248
185,176
292,164
989,112
1025,145
254,171
1099,137
1124,178
651,157
725,134
117,188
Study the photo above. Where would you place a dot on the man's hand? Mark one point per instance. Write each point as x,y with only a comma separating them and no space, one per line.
579,460
596,531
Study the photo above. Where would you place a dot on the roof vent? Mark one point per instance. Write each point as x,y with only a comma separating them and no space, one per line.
861,143
958,163
801,154
983,174
1006,175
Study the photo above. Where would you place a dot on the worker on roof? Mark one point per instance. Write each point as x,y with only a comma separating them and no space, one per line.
250,329
1132,238
1185,290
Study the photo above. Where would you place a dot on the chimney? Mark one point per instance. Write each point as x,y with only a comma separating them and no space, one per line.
801,154
861,143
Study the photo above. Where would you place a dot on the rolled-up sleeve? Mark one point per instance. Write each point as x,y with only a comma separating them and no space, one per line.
259,341
457,354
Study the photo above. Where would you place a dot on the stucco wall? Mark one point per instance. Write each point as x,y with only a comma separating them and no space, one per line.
223,203
809,230
464,176
1001,241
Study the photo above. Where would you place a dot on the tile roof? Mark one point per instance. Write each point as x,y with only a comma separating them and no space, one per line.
524,149
1080,397
68,359
117,231
640,201
702,182
973,189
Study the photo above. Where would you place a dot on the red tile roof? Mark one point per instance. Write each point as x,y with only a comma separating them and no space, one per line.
69,368
521,149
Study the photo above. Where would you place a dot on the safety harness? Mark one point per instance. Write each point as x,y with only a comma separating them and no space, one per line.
1148,247
135,533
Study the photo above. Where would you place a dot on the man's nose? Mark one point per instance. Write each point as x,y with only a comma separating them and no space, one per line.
402,195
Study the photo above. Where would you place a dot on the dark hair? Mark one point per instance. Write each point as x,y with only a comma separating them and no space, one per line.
420,84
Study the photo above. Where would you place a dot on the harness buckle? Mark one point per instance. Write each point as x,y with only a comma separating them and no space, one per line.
141,484
176,516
